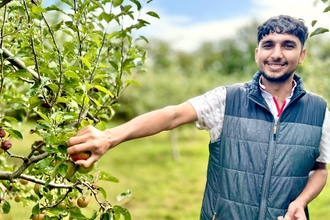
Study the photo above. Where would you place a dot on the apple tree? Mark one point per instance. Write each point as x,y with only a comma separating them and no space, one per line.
63,67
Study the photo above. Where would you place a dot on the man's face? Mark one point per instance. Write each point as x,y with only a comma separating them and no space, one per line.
278,56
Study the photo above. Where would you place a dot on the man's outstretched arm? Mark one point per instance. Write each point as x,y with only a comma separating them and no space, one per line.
99,142
315,184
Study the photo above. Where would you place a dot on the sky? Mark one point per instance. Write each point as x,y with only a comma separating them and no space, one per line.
185,24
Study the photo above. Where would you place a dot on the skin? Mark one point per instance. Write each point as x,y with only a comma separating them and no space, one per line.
277,56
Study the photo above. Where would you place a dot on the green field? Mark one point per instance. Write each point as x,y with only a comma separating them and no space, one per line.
162,188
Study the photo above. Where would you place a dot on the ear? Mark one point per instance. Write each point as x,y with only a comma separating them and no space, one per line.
302,56
256,54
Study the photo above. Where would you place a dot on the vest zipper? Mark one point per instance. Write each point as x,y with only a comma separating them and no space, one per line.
274,134
213,218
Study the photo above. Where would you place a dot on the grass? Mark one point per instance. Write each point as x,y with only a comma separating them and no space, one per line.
162,188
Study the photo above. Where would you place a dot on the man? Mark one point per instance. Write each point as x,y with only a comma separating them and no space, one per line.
269,138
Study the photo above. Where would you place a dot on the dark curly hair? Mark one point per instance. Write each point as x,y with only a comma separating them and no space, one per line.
284,24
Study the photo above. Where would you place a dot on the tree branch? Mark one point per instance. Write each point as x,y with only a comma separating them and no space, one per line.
4,2
18,63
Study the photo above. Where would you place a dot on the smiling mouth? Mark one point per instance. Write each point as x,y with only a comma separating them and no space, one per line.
275,66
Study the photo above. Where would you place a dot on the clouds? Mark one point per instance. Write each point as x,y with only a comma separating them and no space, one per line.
185,34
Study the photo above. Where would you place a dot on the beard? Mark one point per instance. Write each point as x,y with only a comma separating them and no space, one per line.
277,79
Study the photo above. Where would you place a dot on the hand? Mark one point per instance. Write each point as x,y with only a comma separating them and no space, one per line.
89,139
295,212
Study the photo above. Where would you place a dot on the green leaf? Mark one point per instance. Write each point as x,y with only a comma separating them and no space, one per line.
153,14
38,9
42,164
122,211
70,74
57,26
131,81
54,8
326,9
319,31
117,2
16,134
50,150
6,207
105,216
10,119
77,215
62,149
20,73
36,209
124,195
86,62
68,2
143,38
34,101
138,4
62,169
53,87
107,177
314,22
103,192
43,116
102,89
101,125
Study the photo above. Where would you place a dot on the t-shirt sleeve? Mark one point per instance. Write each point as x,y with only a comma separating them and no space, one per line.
210,109
325,140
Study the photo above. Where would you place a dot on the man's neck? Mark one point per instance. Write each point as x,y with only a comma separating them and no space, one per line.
280,90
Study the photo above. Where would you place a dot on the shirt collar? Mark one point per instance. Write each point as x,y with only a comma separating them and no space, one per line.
264,92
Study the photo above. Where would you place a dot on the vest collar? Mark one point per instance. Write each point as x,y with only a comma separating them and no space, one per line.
255,90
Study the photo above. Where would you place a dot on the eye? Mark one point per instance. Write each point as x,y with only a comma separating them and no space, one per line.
289,46
267,46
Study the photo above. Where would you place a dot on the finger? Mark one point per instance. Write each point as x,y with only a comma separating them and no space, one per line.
85,130
87,163
81,147
280,218
286,217
76,140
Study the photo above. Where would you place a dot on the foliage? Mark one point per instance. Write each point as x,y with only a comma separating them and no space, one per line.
65,66
320,30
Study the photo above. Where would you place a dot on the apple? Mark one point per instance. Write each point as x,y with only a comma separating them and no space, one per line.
62,205
6,145
39,216
72,168
23,181
2,133
82,169
17,198
36,188
82,202
81,155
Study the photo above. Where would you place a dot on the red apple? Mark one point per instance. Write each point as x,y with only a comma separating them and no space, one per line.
2,133
80,156
6,145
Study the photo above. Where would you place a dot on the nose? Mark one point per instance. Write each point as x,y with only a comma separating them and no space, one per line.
277,52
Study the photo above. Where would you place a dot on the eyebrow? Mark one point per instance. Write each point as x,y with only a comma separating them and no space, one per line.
284,42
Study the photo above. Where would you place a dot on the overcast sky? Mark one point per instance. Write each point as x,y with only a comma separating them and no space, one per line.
187,23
